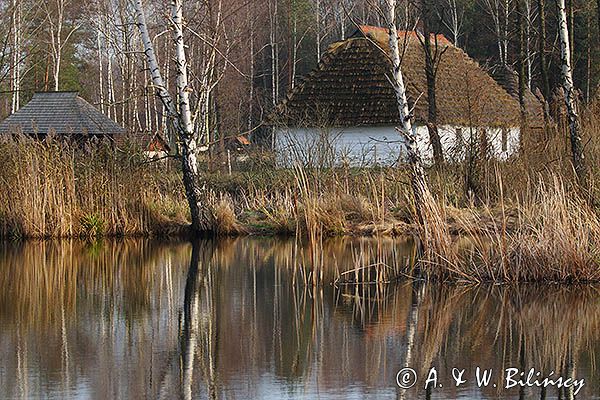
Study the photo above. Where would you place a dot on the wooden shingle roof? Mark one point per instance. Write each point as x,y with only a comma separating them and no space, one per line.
64,113
351,87
509,80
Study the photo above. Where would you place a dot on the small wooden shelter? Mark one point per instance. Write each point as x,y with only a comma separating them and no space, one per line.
63,114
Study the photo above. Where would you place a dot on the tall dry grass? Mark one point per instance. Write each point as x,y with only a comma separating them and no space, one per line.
528,221
554,235
55,189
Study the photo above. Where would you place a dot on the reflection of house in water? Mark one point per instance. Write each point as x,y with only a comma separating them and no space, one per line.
346,108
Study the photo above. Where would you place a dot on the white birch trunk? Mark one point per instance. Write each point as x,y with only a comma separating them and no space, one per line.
251,73
110,107
58,46
528,52
185,113
493,8
100,69
454,25
55,21
418,177
16,56
157,79
274,52
570,96
505,32
319,38
180,117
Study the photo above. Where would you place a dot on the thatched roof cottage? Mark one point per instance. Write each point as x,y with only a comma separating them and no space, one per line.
346,109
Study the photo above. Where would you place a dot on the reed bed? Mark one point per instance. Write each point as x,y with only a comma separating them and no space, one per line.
527,220
554,235
56,189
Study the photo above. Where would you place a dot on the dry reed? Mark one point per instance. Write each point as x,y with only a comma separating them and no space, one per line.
57,189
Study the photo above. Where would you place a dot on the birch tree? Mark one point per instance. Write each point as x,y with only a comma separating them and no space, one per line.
179,114
55,12
570,95
499,10
16,55
541,4
521,62
454,20
419,183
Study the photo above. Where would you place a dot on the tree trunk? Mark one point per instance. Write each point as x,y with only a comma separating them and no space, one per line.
598,15
274,52
430,72
521,60
528,54
318,28
179,117
100,69
542,50
16,56
570,96
200,215
251,73
543,61
418,178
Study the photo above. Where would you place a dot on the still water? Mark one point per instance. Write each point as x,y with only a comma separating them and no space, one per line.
139,319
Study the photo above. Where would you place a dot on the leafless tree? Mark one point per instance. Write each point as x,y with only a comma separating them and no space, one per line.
59,34
500,11
419,183
182,120
570,96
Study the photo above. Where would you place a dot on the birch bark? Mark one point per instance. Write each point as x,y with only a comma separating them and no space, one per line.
418,178
180,116
570,96
16,55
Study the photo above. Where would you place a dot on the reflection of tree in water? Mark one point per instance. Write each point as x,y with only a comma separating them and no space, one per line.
362,335
71,311
228,319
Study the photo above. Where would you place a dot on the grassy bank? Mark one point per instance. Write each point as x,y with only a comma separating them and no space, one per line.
51,189
526,218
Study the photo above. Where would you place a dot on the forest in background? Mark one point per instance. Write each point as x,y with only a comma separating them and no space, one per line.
244,56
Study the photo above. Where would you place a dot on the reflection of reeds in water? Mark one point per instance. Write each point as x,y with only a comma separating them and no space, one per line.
235,314
45,280
70,311
368,331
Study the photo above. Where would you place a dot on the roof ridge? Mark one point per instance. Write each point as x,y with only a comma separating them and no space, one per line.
350,83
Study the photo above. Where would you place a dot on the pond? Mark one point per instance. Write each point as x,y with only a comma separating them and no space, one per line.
228,319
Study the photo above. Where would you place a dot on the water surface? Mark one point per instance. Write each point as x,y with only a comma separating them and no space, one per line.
139,319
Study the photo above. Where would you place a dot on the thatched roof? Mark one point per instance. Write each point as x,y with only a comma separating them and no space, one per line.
509,80
64,113
350,86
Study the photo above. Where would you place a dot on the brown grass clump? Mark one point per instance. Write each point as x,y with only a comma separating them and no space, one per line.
556,237
226,222
57,189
